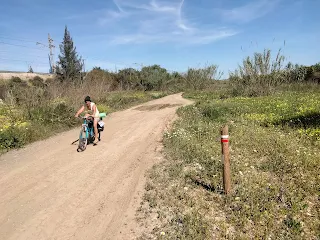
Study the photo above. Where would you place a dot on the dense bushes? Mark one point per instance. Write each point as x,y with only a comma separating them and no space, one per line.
154,78
261,74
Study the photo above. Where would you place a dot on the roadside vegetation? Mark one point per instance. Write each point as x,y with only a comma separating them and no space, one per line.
273,117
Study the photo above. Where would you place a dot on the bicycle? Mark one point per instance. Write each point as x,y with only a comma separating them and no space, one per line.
87,135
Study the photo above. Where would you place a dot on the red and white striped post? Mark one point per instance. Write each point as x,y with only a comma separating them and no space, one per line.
225,159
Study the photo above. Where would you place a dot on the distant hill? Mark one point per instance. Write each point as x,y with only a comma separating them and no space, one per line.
24,75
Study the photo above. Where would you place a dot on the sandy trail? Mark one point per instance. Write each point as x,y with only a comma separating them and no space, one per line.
49,191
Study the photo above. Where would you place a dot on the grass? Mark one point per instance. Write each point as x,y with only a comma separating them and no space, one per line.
275,164
22,125
115,101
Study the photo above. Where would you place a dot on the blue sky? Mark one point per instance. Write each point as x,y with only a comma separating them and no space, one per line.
176,34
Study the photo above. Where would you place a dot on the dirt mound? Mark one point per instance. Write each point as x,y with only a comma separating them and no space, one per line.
155,107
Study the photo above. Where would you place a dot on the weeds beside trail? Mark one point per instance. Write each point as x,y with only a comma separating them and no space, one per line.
275,166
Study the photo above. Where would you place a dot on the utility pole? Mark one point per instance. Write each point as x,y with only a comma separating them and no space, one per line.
83,73
83,65
51,55
51,46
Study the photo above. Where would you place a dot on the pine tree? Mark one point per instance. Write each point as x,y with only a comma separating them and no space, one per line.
30,70
69,66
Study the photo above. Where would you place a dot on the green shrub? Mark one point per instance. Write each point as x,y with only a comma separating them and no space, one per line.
199,79
53,114
37,81
11,138
16,81
3,91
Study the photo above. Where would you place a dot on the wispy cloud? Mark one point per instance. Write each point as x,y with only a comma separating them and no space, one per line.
180,21
248,12
199,38
109,16
154,6
158,21
118,6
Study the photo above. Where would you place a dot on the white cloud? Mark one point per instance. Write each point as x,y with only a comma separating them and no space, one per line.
141,21
110,16
153,5
246,13
175,37
118,6
180,21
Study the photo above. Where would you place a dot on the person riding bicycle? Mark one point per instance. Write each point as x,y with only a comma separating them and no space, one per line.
92,111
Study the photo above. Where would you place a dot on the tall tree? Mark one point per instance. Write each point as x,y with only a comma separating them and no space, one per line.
30,70
128,78
153,77
69,66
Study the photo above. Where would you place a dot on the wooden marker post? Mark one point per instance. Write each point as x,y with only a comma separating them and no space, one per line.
225,159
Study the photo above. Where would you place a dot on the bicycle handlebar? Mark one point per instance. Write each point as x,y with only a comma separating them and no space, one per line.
82,118
101,116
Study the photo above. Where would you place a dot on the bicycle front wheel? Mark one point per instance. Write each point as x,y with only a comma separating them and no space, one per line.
83,141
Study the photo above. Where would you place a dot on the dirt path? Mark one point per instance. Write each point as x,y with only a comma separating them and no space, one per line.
49,191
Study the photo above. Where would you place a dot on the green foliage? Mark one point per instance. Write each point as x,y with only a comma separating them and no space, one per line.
16,81
157,95
153,77
17,134
37,82
105,80
124,99
199,79
3,90
260,75
10,139
128,79
69,66
316,67
274,169
54,113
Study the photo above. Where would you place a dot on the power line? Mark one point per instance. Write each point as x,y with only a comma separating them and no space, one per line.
26,55
51,54
20,60
17,39
31,56
17,45
50,47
